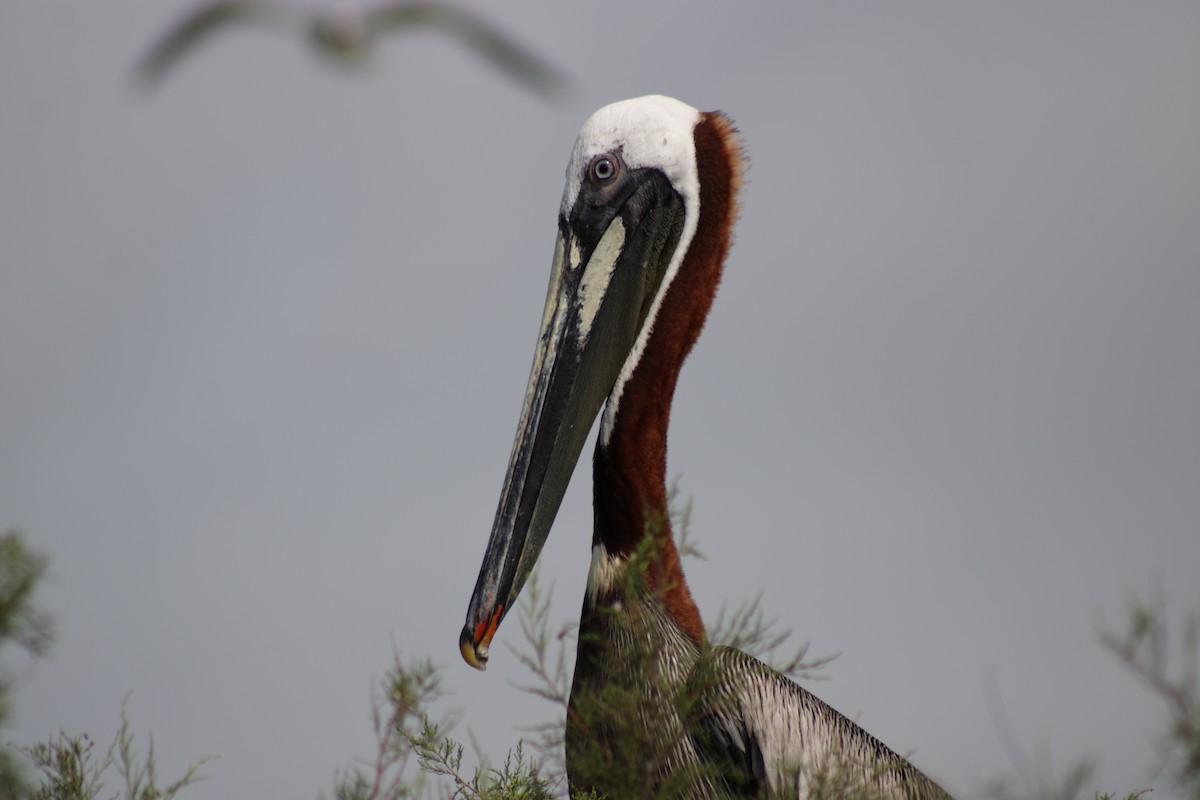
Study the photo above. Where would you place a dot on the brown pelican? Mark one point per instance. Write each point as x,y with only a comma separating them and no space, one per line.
643,231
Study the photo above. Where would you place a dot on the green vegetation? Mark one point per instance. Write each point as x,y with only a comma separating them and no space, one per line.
70,770
417,756
22,625
67,765
1168,667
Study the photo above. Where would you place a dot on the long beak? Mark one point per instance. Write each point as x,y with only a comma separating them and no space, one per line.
609,260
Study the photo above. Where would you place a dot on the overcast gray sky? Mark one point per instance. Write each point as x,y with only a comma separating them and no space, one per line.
264,334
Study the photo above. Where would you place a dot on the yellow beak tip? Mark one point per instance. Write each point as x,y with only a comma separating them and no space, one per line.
474,655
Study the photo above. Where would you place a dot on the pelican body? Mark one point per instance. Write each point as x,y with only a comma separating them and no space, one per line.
655,711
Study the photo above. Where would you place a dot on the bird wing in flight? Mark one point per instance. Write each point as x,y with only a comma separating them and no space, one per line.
478,34
199,24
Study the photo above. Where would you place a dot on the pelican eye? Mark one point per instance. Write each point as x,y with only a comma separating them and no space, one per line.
603,168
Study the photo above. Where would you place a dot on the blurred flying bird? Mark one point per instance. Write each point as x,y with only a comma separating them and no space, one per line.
347,35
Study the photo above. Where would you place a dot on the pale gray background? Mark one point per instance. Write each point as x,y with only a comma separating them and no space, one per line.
264,334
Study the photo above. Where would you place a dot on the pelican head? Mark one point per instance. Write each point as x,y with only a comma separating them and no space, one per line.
628,213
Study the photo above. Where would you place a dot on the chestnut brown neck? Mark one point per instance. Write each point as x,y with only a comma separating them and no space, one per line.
630,494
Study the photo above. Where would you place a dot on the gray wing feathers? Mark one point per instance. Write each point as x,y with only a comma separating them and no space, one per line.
481,36
774,739
200,24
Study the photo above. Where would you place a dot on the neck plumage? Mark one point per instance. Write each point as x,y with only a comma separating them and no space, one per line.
630,494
